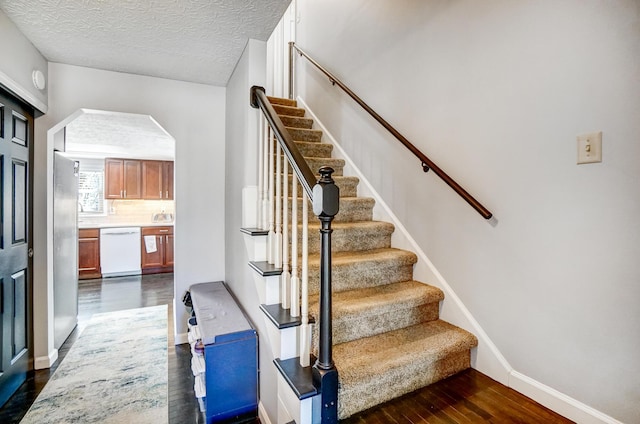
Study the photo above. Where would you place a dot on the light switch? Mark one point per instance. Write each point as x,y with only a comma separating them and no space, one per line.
590,148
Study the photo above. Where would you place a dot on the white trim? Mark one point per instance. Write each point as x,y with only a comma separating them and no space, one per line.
44,362
262,414
180,338
23,93
487,358
557,401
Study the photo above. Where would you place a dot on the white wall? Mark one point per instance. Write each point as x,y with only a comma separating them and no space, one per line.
194,115
241,171
19,59
496,92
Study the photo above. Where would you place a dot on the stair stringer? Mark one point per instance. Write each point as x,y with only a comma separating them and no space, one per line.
486,358
284,343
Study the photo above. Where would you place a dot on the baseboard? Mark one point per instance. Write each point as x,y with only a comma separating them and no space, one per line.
559,402
181,338
486,358
262,414
45,362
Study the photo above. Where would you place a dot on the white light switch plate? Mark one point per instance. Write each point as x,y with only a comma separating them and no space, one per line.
590,148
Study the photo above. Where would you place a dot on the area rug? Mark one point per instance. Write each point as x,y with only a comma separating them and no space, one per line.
116,372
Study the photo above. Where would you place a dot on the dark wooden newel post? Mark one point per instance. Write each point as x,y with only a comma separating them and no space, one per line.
326,200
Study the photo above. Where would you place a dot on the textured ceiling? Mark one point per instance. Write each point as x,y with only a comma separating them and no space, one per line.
98,134
189,40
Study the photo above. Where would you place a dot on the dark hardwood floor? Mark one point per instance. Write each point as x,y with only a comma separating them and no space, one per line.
114,294
469,397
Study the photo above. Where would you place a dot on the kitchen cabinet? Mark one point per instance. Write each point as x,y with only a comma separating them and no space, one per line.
157,180
123,179
89,253
157,249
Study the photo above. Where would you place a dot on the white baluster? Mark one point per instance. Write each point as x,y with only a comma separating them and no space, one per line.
265,177
305,334
295,281
272,234
260,169
277,249
285,287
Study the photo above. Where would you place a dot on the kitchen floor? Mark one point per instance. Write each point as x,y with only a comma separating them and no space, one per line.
114,294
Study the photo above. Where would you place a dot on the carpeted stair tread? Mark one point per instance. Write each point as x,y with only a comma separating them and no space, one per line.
282,101
366,268
360,235
374,310
351,209
305,134
388,297
296,121
348,185
315,149
316,163
288,110
376,369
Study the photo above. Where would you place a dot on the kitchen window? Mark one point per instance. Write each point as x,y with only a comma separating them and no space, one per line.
91,187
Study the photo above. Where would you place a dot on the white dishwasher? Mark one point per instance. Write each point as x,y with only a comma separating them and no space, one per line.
120,251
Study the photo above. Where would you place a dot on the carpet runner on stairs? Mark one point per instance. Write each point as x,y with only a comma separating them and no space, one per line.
388,338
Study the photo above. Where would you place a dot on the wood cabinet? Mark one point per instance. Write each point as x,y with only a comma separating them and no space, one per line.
123,179
157,249
157,180
138,179
89,253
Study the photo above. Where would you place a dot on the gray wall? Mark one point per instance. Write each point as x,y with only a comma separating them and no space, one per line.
19,59
241,170
496,93
194,114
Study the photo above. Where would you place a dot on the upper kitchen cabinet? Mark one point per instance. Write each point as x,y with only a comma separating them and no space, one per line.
123,179
157,180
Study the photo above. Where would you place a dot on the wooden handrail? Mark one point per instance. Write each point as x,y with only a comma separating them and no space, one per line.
427,164
298,163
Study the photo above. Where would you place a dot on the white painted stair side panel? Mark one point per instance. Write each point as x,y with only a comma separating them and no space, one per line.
283,342
305,411
256,247
268,288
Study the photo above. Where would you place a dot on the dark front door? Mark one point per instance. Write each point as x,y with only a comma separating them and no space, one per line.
16,134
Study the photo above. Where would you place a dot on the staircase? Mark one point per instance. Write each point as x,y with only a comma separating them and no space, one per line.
388,338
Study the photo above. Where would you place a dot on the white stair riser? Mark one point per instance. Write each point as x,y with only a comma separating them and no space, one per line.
268,288
256,247
283,342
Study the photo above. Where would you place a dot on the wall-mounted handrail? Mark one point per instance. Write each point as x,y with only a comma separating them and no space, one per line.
426,163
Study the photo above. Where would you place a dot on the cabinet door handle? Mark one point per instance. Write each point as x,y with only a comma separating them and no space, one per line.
125,193
167,194
120,193
161,194
161,240
164,231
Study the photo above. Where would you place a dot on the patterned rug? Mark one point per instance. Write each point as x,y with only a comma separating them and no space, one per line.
116,372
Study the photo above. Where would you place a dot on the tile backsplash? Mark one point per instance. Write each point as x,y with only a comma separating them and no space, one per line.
129,212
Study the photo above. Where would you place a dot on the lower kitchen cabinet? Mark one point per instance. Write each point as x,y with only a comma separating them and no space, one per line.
157,249
89,253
